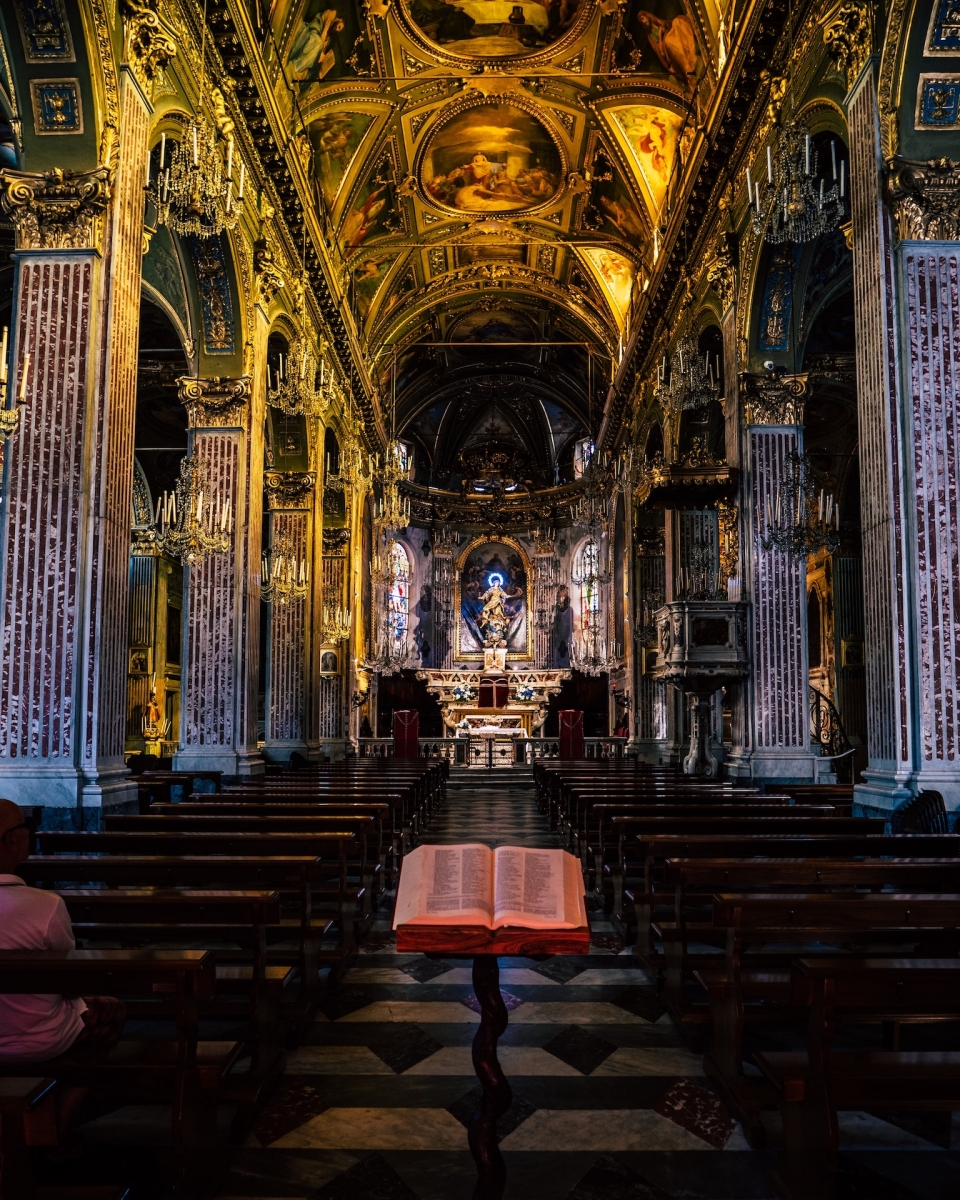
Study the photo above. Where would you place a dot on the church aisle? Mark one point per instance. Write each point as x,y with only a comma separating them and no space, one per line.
607,1101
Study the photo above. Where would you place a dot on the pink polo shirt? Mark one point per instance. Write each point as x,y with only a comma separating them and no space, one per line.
34,1028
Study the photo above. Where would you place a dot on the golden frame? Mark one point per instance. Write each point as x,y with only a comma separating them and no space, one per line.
474,544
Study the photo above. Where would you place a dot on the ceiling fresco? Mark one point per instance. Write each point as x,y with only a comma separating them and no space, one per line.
494,178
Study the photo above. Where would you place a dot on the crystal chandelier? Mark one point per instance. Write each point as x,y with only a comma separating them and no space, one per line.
283,578
792,206
590,511
692,383
292,385
392,509
336,624
806,517
10,417
194,191
191,526
592,654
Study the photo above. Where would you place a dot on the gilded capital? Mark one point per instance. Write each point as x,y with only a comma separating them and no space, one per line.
214,402
773,398
335,541
56,210
848,37
289,489
148,47
721,271
926,199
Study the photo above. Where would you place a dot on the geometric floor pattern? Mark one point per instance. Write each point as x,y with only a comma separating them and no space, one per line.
608,1104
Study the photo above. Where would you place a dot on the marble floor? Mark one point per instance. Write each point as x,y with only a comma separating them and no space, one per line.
608,1104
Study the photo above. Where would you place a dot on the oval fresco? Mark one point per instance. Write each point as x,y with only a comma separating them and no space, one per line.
492,158
493,28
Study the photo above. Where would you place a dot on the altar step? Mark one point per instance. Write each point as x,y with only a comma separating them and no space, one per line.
500,780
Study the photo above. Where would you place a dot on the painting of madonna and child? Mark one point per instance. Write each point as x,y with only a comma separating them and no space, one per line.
493,28
492,158
493,602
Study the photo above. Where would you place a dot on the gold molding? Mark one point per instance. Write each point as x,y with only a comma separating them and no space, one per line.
848,37
56,210
215,402
147,46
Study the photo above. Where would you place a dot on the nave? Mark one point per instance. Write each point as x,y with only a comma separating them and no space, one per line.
609,1099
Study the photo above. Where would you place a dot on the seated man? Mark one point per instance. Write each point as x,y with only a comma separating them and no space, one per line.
35,1028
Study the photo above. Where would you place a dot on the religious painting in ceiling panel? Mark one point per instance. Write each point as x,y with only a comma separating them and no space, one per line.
615,275
368,277
426,426
649,134
335,138
613,210
658,38
492,157
562,424
497,327
323,42
490,251
371,207
495,28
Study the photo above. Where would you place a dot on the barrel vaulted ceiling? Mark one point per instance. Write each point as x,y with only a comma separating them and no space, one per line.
494,180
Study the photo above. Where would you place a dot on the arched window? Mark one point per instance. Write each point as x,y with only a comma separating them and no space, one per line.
587,575
398,601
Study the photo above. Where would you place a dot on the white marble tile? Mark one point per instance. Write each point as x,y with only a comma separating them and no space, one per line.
600,1131
335,1060
378,1129
594,977
659,1060
423,1012
360,975
861,1131
515,1060
572,1012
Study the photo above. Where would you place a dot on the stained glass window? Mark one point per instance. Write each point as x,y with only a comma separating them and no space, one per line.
587,575
399,598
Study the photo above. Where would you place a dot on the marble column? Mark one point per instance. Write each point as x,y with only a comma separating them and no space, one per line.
652,726
67,497
443,613
777,745
546,581
290,496
888,652
330,725
218,710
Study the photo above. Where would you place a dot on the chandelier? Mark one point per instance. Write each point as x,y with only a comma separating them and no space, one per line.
283,578
194,191
336,624
792,207
292,385
590,511
392,509
10,417
692,383
592,654
190,526
806,517
390,654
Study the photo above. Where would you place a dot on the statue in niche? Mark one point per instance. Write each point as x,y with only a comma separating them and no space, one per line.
493,616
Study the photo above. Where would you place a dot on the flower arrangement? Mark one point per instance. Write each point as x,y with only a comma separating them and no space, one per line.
463,692
525,692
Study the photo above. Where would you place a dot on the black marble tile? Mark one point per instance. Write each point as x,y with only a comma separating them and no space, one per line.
711,1174
579,1048
562,970
425,969
371,1179
510,1001
405,1046
295,1102
607,941
855,1181
641,1001
520,1109
609,1179
934,1126
343,1001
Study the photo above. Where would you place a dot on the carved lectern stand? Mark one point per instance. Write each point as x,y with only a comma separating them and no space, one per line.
484,946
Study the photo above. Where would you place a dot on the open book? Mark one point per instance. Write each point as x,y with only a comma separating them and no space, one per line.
474,885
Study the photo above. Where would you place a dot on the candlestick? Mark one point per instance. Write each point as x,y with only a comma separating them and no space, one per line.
769,166
23,379
163,150
3,356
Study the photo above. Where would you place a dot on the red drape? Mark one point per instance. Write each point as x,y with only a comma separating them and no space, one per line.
406,733
571,733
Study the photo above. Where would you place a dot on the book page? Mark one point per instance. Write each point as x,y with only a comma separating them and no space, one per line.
446,885
536,889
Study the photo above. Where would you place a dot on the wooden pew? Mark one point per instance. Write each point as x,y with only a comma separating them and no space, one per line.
156,916
756,987
813,1087
342,848
187,1073
25,1103
297,876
